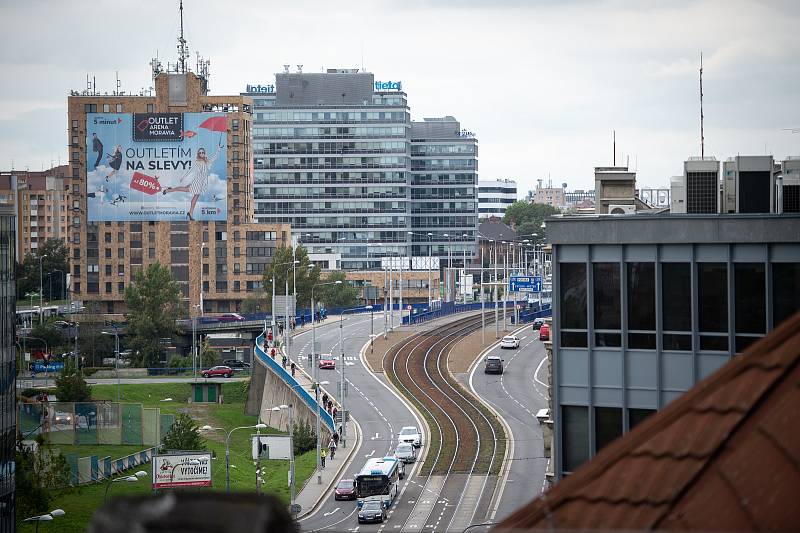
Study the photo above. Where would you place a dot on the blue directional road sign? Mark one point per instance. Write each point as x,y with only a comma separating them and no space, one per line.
525,284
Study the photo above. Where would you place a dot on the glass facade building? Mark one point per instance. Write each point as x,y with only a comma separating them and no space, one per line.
645,307
333,157
8,410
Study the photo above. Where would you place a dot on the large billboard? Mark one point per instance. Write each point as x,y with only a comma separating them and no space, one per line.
156,166
190,469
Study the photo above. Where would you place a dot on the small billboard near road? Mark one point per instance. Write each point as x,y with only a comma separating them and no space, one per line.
272,447
191,469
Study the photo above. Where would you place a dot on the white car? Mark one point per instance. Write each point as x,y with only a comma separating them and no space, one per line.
411,435
509,341
406,452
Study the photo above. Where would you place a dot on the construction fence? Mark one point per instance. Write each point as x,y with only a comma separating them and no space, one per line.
94,423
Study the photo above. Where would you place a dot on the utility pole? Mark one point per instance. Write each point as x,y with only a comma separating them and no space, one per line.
496,295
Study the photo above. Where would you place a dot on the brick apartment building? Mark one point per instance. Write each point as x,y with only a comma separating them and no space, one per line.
216,262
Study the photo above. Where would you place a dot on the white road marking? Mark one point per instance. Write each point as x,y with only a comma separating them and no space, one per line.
370,454
536,374
331,512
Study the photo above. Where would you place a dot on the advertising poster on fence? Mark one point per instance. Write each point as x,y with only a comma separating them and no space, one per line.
156,166
192,469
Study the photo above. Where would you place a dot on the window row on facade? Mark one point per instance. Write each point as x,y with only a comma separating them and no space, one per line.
366,132
341,117
343,178
342,147
730,300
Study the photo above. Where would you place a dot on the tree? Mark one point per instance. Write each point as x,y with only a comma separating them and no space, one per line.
70,385
37,474
527,218
342,295
94,345
307,275
184,435
305,438
208,355
153,302
55,261
52,335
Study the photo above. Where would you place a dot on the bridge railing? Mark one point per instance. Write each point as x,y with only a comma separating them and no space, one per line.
291,382
449,308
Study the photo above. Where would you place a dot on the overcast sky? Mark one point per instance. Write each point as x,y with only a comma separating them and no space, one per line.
541,83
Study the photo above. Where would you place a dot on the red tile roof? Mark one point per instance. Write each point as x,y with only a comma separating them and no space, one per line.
725,456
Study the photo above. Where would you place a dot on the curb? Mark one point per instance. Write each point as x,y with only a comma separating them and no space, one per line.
344,464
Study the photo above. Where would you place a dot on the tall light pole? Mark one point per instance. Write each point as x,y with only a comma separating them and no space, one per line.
341,386
316,372
272,311
115,326
483,305
496,293
41,290
449,264
289,408
463,289
430,260
201,246
50,277
228,451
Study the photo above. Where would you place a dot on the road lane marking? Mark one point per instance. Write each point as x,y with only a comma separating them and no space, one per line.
331,512
370,454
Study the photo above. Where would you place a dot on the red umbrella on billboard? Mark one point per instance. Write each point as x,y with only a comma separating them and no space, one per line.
216,123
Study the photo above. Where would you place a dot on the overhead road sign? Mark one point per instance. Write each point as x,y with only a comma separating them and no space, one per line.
525,284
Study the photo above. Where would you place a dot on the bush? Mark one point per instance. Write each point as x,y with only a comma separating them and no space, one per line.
179,361
184,435
91,370
37,474
305,438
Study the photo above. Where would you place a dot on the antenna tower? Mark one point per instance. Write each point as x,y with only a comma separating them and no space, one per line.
614,142
183,50
702,137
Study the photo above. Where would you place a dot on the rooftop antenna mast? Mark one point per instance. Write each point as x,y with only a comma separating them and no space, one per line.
702,137
614,142
183,51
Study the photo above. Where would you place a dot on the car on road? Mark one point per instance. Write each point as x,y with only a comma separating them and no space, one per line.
406,452
493,365
236,365
62,418
327,361
510,341
544,332
217,371
345,490
411,435
372,511
537,323
230,317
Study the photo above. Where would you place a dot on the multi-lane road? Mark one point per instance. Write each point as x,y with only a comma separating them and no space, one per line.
427,502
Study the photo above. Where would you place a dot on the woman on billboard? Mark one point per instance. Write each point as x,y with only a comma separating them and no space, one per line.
114,161
199,172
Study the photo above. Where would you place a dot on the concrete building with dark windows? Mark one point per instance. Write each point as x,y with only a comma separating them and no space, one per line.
8,372
336,155
494,197
645,306
444,199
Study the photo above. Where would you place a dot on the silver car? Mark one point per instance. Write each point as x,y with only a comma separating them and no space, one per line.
406,453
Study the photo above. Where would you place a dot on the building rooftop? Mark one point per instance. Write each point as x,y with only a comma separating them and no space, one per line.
725,456
495,230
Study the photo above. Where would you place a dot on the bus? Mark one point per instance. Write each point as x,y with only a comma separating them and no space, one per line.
379,477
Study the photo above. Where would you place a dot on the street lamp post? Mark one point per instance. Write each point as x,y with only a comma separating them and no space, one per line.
125,479
45,517
202,245
430,259
316,373
228,452
41,290
449,264
342,381
289,407
116,353
496,292
463,289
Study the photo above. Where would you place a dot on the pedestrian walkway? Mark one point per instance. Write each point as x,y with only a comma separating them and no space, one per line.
320,485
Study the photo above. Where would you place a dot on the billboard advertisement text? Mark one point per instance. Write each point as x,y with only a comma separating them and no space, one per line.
156,166
178,470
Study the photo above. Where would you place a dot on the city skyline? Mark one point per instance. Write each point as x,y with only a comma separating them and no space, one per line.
541,86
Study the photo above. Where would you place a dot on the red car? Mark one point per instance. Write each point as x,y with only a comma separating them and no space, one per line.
326,361
345,490
544,332
217,371
230,317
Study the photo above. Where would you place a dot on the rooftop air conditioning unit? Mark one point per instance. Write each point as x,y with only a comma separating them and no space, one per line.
619,209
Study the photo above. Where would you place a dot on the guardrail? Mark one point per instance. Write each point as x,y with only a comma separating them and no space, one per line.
449,308
293,383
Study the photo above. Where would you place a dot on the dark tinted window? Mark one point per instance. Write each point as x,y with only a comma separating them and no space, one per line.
641,296
606,296
607,426
676,296
786,291
635,416
573,295
749,279
575,436
712,296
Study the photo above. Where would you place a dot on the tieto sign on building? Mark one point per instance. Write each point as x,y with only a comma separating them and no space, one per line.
176,471
525,284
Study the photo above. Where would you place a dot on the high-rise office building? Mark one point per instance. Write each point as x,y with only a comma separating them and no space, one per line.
167,178
8,370
335,156
494,197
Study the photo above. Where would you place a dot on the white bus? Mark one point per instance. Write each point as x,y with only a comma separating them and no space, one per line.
379,477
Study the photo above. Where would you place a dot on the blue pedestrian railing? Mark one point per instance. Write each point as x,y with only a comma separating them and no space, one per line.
286,376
